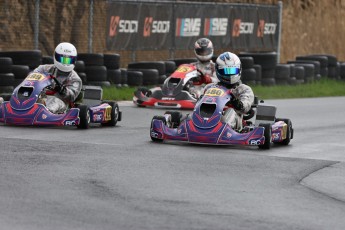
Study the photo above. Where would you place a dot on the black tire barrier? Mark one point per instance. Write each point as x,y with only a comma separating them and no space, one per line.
161,78
47,60
247,62
317,66
114,76
83,77
299,72
20,71
96,73
248,75
6,79
267,60
309,73
180,61
79,66
91,59
134,78
6,65
323,60
292,81
123,77
282,73
158,65
268,73
31,58
342,70
6,90
150,76
258,71
170,67
268,81
99,83
112,61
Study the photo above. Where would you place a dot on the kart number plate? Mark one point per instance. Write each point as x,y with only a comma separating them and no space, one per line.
214,92
35,77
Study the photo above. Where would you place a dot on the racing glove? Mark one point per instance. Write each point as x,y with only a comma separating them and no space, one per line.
60,89
237,104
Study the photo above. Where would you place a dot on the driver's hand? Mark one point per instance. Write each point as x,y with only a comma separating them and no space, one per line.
237,104
60,89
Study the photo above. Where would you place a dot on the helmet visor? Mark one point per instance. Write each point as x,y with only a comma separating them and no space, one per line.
228,71
63,59
203,51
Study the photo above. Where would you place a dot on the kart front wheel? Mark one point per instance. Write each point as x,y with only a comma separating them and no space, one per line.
161,118
267,134
84,117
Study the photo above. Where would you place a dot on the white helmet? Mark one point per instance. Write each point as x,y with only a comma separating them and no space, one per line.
203,49
65,56
228,68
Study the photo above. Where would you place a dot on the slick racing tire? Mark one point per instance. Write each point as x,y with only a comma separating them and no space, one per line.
289,132
267,134
162,118
175,118
84,116
115,111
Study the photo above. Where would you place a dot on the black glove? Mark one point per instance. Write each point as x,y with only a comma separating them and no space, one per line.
237,104
60,89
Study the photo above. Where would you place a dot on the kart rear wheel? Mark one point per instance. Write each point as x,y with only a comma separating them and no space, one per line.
175,119
84,117
161,118
267,134
289,131
115,111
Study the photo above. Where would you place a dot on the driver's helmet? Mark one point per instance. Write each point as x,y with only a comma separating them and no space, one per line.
203,49
65,57
228,68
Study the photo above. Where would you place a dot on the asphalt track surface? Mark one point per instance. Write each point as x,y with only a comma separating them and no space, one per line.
116,178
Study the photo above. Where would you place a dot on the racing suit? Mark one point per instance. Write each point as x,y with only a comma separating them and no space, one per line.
208,75
58,102
234,116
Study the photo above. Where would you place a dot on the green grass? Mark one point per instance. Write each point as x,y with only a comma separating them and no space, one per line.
322,88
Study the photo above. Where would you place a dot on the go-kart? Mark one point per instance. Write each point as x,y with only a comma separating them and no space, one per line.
26,107
206,124
174,93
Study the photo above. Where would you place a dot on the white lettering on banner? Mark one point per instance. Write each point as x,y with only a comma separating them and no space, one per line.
160,26
270,28
128,26
218,26
246,28
190,27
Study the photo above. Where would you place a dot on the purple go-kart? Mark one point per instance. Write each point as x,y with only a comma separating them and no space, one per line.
25,106
206,124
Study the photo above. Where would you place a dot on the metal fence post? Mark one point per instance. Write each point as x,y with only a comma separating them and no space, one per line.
90,26
37,24
280,5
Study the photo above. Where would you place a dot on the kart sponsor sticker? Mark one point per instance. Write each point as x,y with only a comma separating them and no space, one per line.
35,77
183,69
214,92
107,116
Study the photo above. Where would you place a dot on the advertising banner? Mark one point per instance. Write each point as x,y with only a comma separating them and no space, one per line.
155,26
